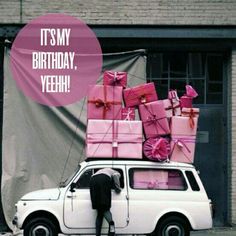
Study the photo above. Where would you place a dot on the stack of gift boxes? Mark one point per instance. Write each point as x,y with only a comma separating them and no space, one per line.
166,129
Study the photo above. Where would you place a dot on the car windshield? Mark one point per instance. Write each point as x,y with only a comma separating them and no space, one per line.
66,181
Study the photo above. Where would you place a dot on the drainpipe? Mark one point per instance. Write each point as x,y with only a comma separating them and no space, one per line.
21,11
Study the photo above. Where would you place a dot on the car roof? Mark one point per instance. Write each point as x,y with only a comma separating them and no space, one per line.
140,162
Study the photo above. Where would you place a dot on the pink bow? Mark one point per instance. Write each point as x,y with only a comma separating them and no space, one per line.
160,149
190,91
173,96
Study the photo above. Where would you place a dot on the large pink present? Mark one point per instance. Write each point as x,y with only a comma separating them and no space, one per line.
154,119
114,138
182,148
181,125
156,149
114,78
172,108
140,94
128,113
150,179
104,102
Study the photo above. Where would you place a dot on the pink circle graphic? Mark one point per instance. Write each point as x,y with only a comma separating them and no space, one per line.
54,59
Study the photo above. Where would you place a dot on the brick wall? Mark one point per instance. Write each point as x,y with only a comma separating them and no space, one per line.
233,161
155,12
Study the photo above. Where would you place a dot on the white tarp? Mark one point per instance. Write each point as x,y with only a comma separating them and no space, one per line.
43,145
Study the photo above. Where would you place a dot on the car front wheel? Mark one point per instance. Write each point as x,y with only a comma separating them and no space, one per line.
173,226
40,227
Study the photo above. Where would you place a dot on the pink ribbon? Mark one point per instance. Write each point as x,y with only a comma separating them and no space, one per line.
149,184
114,139
181,143
128,114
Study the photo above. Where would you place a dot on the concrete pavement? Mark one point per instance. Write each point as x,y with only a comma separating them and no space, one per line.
226,231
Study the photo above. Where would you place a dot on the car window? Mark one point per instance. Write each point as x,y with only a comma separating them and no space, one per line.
192,181
83,181
156,179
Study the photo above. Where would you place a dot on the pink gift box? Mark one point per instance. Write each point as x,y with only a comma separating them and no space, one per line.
115,78
172,108
183,126
140,94
154,119
150,179
104,102
183,149
186,101
190,112
176,180
128,113
156,149
117,139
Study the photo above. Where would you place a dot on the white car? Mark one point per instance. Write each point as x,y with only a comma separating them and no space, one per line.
156,198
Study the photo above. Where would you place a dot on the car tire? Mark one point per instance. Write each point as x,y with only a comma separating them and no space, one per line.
173,226
40,227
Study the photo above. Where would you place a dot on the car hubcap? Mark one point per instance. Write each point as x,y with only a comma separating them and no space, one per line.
173,230
40,231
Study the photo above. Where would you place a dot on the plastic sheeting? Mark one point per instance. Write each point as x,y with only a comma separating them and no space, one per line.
43,145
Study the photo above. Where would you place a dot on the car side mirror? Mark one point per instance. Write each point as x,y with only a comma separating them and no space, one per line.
72,187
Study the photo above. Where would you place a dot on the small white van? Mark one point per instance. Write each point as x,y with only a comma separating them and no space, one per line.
156,198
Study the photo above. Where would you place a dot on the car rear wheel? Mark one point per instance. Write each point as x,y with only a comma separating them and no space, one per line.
173,226
40,227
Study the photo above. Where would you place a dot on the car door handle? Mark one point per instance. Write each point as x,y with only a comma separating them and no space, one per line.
69,196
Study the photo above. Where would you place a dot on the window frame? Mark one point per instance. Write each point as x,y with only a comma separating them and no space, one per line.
130,178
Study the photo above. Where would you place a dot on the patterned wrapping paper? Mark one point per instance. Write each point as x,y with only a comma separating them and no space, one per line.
156,149
140,94
114,78
154,119
104,102
114,138
150,179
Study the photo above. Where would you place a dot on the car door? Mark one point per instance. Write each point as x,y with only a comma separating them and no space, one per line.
78,212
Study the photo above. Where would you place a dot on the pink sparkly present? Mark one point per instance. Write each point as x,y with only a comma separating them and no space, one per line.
114,138
114,78
154,119
140,94
104,102
128,113
156,149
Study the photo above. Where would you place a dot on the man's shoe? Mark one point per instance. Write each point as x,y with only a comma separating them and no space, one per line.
111,229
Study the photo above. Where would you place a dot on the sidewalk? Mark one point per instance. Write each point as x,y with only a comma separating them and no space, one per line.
216,231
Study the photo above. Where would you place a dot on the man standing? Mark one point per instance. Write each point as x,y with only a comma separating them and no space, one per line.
101,185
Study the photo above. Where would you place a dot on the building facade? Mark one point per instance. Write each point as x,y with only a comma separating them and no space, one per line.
187,41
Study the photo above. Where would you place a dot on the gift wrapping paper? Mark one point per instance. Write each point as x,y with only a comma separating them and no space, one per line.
114,138
104,102
114,78
140,94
